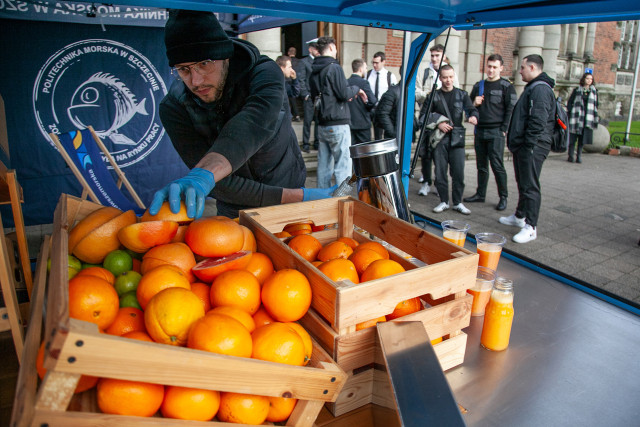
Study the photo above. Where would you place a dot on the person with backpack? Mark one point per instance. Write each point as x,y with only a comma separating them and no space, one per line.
331,93
494,98
583,115
529,139
380,80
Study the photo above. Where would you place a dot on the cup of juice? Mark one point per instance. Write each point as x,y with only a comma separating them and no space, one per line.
489,247
455,231
482,290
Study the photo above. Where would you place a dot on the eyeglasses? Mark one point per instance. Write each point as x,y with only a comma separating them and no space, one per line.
203,68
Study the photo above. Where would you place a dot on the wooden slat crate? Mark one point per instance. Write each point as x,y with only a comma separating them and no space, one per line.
76,348
338,306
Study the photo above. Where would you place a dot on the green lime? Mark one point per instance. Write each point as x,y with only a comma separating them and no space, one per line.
87,265
74,263
72,272
118,262
129,299
127,282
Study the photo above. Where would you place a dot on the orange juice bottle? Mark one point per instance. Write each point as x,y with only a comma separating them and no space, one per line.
498,316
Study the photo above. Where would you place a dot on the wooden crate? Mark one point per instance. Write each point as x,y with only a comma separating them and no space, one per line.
76,347
337,307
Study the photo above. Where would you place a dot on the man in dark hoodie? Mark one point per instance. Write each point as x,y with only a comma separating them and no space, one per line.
360,111
529,139
329,83
226,116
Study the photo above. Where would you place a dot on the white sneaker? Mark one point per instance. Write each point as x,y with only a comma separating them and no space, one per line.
462,209
421,179
512,220
441,207
527,234
424,190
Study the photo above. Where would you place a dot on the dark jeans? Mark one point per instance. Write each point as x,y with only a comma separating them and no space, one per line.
527,165
360,135
377,133
450,160
306,125
293,103
426,161
489,146
586,137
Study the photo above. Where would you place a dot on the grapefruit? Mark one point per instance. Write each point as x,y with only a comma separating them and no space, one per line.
210,268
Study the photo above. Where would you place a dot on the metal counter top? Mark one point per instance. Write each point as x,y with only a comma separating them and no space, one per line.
573,360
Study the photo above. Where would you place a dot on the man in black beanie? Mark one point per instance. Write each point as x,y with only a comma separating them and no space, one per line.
226,117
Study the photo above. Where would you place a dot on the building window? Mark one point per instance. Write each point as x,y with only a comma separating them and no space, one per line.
628,42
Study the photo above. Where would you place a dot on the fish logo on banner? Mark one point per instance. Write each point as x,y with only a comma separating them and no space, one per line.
107,85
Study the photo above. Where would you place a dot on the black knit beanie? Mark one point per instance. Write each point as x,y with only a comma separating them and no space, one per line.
193,36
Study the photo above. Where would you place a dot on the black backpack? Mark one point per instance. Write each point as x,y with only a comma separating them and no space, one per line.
560,137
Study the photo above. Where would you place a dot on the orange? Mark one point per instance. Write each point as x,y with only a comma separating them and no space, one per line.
262,318
260,265
370,323
374,246
170,314
137,265
362,258
282,234
89,223
210,268
94,300
316,263
306,340
222,334
334,250
165,214
128,319
280,408
103,239
243,408
250,243
179,237
406,307
381,268
237,288
177,254
298,228
190,403
340,269
122,397
286,295
142,236
306,246
202,291
214,236
436,341
280,343
85,382
237,313
349,241
162,277
100,272
138,335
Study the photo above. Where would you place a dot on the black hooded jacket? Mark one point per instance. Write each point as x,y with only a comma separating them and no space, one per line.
249,126
335,91
533,117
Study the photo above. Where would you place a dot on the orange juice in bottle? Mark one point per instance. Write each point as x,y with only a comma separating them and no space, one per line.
498,316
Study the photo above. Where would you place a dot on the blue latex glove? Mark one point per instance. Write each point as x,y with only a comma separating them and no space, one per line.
195,186
317,193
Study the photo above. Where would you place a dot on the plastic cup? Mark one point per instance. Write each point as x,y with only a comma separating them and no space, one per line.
481,292
455,231
489,246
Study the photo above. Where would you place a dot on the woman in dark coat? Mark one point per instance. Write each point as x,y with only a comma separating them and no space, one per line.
583,115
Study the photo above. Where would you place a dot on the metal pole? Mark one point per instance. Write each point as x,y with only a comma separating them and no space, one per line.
635,83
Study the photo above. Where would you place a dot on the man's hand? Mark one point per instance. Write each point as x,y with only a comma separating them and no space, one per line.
195,187
363,96
445,127
473,120
477,101
293,74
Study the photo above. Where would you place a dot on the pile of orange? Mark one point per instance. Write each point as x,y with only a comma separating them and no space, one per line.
241,307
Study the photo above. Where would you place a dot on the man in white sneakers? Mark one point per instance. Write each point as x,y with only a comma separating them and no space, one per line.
529,139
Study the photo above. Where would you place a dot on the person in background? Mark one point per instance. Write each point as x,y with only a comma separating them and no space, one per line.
380,80
295,63
583,115
494,98
529,139
227,118
307,102
449,104
360,112
424,84
329,84
291,83
386,114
